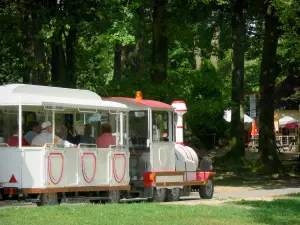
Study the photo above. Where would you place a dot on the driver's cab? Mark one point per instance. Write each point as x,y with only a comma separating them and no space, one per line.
150,136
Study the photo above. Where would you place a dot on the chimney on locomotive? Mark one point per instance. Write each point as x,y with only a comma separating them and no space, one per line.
180,110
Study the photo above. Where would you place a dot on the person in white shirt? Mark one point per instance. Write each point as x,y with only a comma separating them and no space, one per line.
46,137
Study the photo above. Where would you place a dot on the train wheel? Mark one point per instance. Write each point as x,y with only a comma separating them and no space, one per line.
48,199
159,195
173,194
113,197
207,191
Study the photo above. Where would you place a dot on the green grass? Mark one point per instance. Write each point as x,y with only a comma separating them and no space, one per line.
281,211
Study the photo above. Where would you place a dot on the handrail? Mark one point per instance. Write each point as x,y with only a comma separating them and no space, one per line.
51,145
54,108
114,147
4,144
113,113
87,111
86,144
117,112
9,111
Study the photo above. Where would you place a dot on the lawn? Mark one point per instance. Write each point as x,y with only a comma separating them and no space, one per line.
284,210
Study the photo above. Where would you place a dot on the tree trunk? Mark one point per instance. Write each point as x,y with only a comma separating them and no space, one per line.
268,74
160,42
127,58
57,59
198,58
140,42
27,44
39,50
71,40
117,63
237,95
215,44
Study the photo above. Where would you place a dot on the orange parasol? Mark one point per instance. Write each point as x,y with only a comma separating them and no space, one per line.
254,131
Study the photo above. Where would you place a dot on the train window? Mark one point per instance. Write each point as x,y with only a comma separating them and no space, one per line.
94,121
160,126
138,129
8,127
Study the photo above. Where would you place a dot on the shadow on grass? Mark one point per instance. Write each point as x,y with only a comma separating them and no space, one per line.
259,182
279,211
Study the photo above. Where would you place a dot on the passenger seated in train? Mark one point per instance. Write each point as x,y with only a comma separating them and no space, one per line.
14,140
164,137
46,136
106,139
35,129
86,137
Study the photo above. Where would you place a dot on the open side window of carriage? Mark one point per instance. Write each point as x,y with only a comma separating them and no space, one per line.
162,126
9,126
139,133
88,122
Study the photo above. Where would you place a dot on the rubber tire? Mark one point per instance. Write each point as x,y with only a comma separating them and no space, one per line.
173,195
159,195
203,191
113,197
48,199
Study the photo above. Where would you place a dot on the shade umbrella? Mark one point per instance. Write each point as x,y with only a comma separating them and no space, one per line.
227,117
286,120
254,131
291,125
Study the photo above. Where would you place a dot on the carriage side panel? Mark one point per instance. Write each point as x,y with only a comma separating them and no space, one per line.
10,164
94,167
33,168
119,166
162,156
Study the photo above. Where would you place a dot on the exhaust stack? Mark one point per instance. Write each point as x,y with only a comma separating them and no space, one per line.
180,109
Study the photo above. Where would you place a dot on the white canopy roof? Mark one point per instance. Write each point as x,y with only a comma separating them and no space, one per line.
36,95
227,117
287,119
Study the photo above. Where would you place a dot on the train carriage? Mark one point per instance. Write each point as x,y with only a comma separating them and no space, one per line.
53,172
162,168
148,159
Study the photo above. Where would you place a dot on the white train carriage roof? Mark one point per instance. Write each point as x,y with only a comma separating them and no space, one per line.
37,96
142,104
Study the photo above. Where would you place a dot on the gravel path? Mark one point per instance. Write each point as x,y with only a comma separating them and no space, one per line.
249,193
258,193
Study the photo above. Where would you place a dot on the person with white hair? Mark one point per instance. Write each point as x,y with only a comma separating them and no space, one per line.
46,137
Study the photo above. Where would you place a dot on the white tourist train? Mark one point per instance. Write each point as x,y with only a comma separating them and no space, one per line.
101,150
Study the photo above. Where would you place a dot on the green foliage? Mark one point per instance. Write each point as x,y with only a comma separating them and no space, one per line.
190,26
94,70
205,103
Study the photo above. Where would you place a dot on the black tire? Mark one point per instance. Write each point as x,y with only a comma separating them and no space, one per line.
48,199
159,195
207,191
113,196
173,195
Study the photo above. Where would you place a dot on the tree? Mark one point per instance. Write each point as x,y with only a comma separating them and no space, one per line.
268,73
237,94
160,42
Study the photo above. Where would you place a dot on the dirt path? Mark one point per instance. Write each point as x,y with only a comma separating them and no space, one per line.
236,194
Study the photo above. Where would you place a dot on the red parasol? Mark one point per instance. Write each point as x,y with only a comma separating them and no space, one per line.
254,131
291,125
